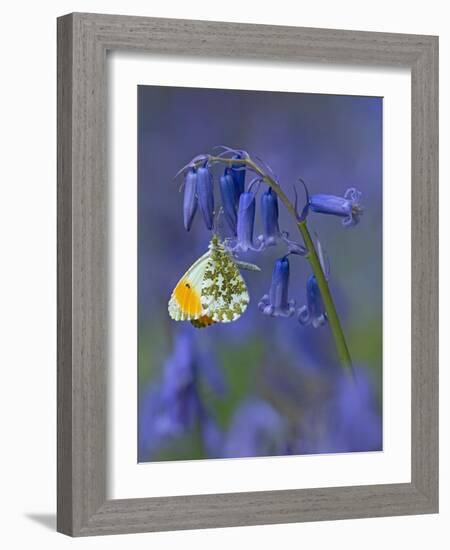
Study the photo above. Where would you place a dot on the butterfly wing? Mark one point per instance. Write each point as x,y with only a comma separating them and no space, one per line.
224,295
185,303
211,290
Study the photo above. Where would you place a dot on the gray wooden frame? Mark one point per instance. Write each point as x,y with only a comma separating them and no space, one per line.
83,41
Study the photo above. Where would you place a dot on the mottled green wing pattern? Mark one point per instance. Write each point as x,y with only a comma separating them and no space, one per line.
224,292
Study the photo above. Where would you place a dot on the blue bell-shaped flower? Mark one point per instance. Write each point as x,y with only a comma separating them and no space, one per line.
245,224
190,201
314,311
229,202
271,231
238,175
276,302
347,207
205,193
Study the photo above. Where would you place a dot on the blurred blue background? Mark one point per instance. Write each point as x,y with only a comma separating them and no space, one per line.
259,386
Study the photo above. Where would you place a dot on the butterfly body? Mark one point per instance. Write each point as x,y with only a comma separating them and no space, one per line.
211,291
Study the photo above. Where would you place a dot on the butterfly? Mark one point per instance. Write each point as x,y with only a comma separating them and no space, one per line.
212,290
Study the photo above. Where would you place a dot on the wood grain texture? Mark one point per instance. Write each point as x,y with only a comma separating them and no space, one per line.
83,41
424,276
64,299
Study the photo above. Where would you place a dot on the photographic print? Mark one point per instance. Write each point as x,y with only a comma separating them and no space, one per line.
259,273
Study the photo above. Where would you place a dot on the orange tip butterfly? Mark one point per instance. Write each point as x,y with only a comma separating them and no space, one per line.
212,290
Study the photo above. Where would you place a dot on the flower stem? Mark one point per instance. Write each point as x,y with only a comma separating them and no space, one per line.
312,256
333,318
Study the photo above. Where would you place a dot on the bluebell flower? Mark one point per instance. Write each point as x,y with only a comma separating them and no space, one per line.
190,200
347,207
276,303
205,193
269,215
348,420
237,170
271,231
173,406
245,225
230,199
238,174
314,311
257,429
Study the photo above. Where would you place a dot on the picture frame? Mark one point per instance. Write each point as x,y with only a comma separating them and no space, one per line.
83,41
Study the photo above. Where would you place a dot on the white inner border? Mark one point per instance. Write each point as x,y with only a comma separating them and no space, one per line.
126,478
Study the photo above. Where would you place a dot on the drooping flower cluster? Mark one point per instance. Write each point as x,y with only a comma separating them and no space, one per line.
199,189
174,405
238,204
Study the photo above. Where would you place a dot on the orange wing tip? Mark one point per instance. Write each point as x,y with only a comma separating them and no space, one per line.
188,299
202,322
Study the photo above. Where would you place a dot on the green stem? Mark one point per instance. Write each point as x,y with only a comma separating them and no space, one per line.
333,318
312,257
